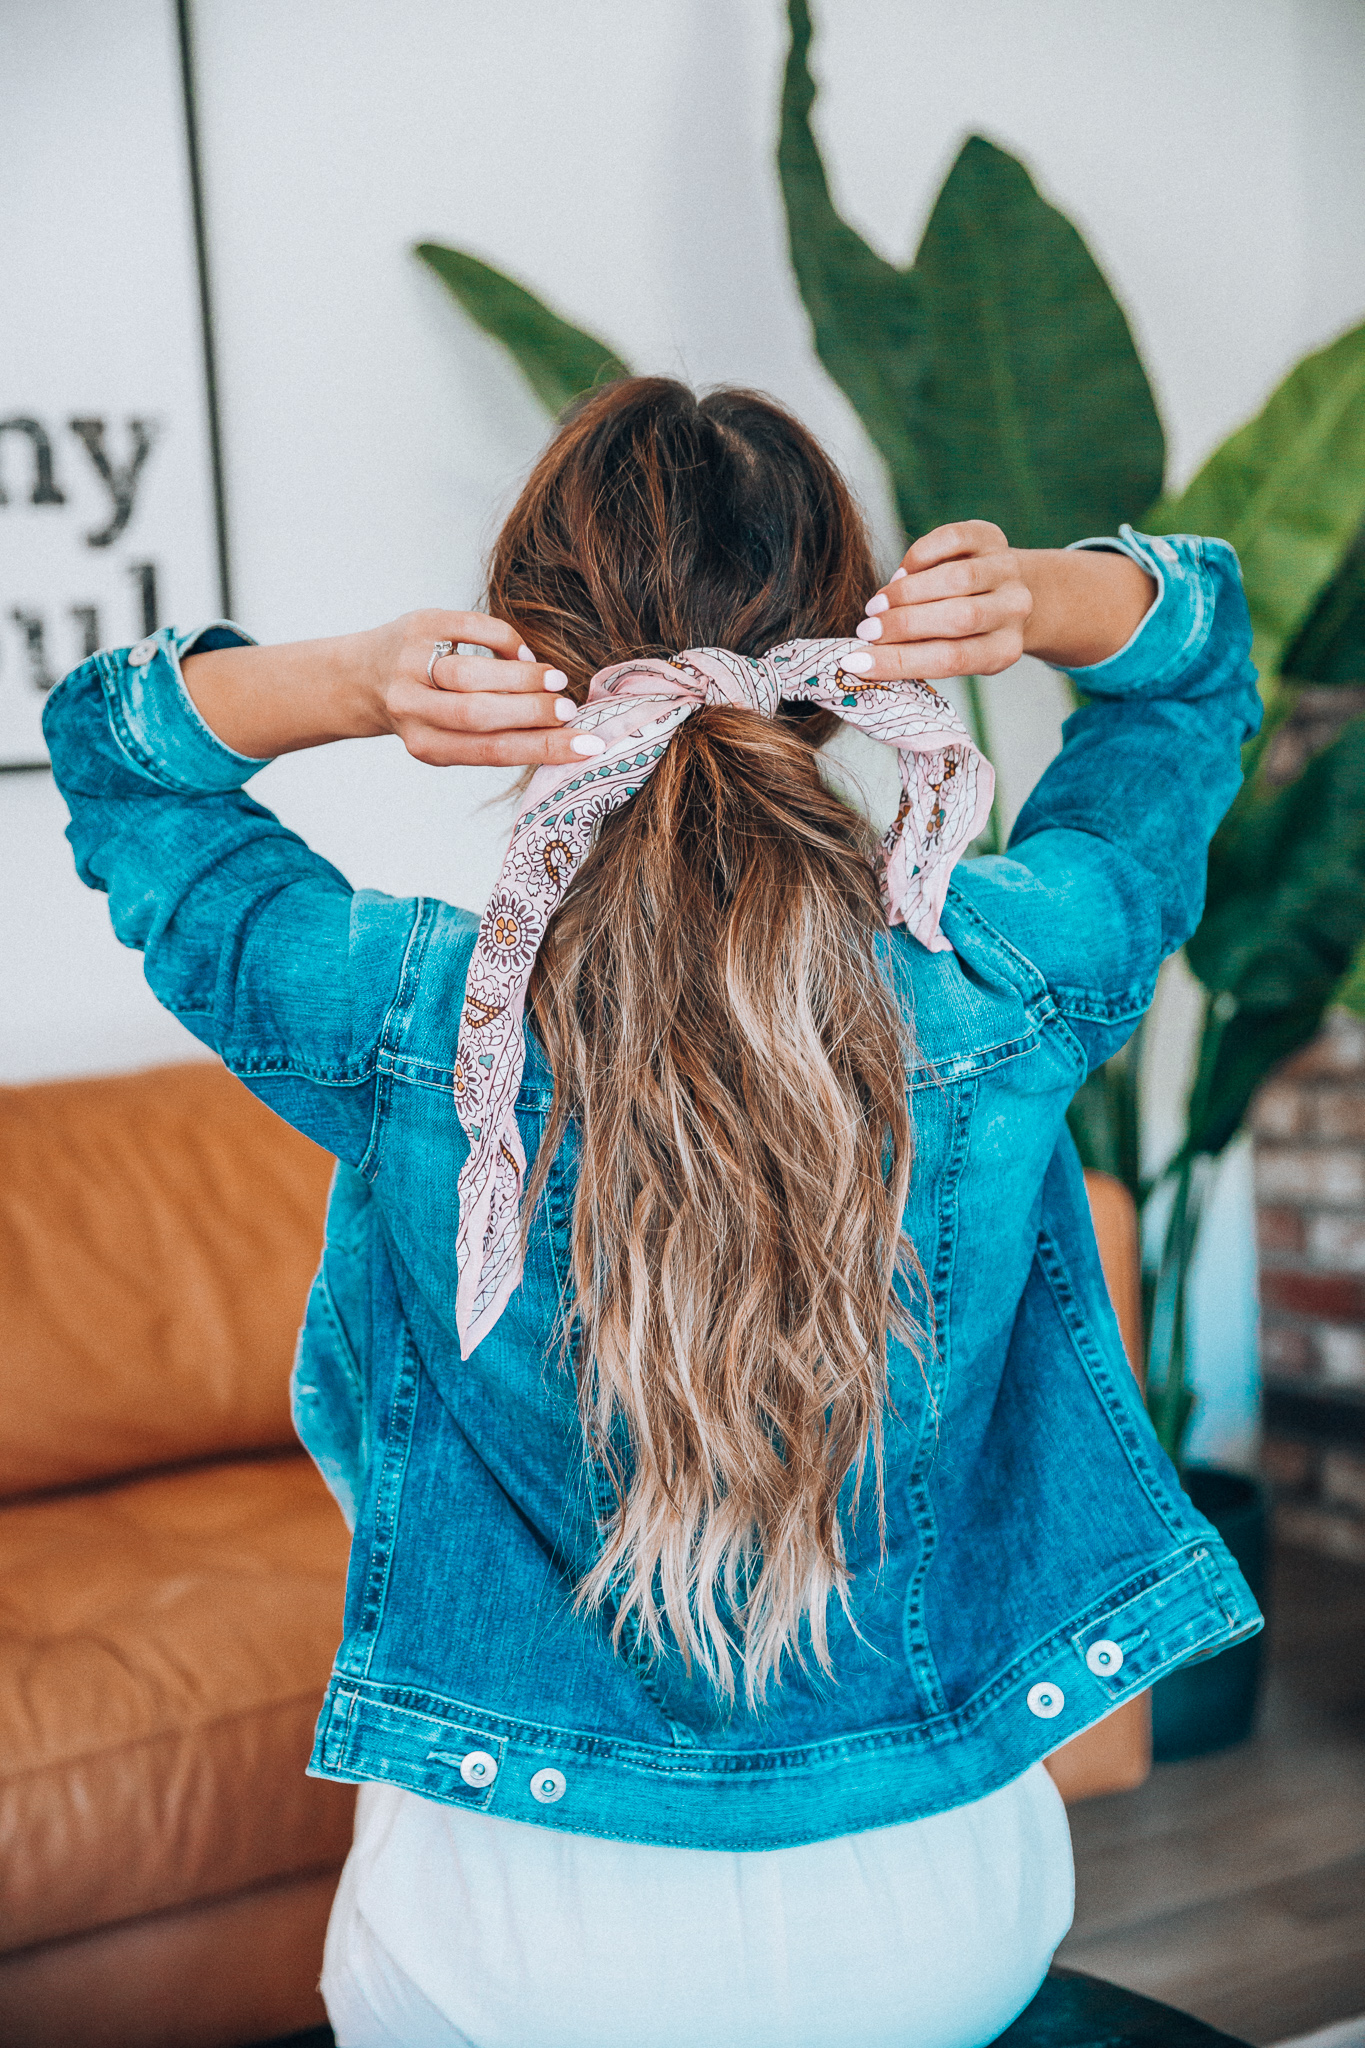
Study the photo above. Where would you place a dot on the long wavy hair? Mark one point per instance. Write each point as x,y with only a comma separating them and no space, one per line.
709,998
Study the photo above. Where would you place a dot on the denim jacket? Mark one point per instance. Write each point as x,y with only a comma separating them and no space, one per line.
1042,1564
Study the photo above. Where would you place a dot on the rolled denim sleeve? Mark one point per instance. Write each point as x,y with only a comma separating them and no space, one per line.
1105,871
258,945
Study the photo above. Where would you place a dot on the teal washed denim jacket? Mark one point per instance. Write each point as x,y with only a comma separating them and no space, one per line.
1042,1564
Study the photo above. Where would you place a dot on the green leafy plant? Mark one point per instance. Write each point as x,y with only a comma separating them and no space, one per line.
997,376
1288,491
1283,931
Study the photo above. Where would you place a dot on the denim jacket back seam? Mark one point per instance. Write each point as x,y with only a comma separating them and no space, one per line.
915,1641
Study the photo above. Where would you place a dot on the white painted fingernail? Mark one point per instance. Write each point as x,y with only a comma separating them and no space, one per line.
555,679
587,743
876,604
902,571
565,709
858,664
524,653
870,629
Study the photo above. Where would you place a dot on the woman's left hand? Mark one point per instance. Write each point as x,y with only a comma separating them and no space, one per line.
958,605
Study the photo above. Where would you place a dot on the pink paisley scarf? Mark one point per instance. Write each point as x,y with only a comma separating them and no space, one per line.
635,708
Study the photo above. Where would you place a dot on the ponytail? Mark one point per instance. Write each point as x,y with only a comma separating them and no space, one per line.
721,1035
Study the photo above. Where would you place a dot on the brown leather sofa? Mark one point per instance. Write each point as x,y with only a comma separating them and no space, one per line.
171,1569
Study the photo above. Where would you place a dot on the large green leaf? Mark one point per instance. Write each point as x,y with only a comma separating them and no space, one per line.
1037,413
1288,491
560,361
1284,920
865,312
1329,648
997,376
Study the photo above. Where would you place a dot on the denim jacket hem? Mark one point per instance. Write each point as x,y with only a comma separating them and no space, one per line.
1192,1604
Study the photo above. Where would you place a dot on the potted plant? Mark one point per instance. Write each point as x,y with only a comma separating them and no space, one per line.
1280,940
998,378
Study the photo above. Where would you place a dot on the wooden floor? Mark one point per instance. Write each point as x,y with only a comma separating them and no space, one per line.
1234,1886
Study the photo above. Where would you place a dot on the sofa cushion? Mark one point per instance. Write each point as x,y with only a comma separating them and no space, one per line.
158,1232
164,1645
206,1976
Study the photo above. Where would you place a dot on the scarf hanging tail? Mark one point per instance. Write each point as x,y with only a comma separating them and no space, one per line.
947,796
488,1247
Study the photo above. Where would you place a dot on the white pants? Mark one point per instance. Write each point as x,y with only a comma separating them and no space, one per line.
455,1930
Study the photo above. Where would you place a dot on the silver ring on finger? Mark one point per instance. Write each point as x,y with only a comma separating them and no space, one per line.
438,653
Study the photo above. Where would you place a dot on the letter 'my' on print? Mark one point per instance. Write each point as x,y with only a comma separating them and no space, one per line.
120,481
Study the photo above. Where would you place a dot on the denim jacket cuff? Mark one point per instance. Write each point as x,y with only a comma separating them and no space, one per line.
155,718
1176,624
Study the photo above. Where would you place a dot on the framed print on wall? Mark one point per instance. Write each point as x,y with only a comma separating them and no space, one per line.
110,483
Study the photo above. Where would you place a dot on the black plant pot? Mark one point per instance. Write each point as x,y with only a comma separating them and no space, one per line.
1212,1704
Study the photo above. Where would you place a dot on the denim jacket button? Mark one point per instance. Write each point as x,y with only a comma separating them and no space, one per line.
547,1786
1046,1700
1104,1658
479,1769
139,656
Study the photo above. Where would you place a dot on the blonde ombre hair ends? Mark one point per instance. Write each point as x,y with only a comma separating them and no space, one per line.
723,1040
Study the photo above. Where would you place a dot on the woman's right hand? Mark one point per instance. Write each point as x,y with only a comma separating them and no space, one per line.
958,604
503,712
506,711
964,602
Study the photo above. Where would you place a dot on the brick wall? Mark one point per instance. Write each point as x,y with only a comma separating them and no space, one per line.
1309,1129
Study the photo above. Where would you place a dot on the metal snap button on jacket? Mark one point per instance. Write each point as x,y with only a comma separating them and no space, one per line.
479,1769
139,656
1104,1658
547,1786
1046,1700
